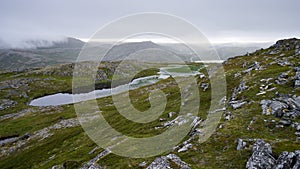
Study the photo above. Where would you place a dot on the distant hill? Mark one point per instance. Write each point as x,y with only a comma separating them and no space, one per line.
225,50
43,55
121,51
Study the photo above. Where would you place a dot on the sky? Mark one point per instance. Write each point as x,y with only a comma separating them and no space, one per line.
219,20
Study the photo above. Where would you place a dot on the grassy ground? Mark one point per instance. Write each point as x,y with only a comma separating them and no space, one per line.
72,146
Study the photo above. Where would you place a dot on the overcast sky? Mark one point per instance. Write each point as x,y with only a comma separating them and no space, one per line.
219,20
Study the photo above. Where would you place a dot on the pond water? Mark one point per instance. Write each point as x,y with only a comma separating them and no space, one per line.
67,98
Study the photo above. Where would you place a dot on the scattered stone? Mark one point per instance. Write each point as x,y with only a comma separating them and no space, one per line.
283,78
171,114
281,55
297,51
158,127
254,66
279,126
8,140
285,122
297,69
297,77
185,147
265,107
95,166
261,93
94,149
221,126
297,126
266,80
272,89
227,117
284,63
250,124
204,86
274,52
162,119
202,75
4,85
143,164
68,123
179,120
238,74
245,64
178,161
56,167
92,164
241,144
297,83
237,104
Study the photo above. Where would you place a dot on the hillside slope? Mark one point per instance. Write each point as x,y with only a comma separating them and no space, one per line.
259,126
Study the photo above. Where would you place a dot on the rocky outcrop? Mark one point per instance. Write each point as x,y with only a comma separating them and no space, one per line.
19,142
286,45
46,132
238,90
92,164
178,161
275,107
283,78
160,163
284,106
285,160
261,157
233,102
7,103
163,162
254,66
21,87
297,77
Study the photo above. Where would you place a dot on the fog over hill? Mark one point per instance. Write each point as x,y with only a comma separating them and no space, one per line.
40,53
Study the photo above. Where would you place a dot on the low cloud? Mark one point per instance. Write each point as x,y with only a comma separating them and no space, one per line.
20,36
